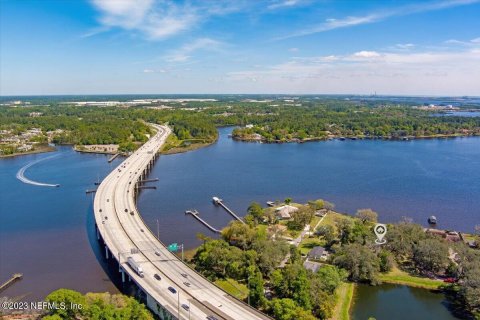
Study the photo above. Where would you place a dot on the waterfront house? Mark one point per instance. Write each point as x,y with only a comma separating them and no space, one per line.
285,212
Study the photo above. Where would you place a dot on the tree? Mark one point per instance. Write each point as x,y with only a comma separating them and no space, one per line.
431,255
386,261
239,234
344,226
327,232
288,200
68,298
360,262
256,211
403,237
317,204
294,284
257,290
367,215
287,309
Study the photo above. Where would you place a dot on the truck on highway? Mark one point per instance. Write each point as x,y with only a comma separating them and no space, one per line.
135,266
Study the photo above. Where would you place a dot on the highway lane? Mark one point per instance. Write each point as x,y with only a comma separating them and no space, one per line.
124,231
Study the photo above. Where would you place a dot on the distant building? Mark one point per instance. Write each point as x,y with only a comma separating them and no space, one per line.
318,253
285,212
249,126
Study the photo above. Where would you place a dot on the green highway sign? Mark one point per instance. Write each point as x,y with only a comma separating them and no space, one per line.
173,247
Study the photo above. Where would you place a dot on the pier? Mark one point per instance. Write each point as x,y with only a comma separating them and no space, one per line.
91,191
195,214
147,180
13,278
113,157
219,202
146,187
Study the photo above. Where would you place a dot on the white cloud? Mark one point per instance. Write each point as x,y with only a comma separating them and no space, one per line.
158,19
366,54
148,71
283,4
183,54
429,72
350,21
293,49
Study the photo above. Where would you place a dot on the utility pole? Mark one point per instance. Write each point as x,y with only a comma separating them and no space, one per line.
182,252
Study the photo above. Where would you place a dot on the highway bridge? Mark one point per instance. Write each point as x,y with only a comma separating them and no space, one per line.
172,289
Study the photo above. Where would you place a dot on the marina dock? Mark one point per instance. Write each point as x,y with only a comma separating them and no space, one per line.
195,214
219,202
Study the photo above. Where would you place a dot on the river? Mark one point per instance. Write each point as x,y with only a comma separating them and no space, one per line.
48,233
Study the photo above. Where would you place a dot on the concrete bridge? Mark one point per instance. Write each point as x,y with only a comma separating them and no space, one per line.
181,293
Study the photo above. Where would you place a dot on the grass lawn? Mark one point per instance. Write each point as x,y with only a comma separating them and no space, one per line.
238,290
344,296
308,243
397,276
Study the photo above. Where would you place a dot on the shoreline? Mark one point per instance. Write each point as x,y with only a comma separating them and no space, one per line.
40,150
356,138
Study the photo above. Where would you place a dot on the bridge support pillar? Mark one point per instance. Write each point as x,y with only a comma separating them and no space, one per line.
123,275
106,252
98,234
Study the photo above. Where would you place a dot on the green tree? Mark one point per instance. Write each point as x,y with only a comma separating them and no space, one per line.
431,255
256,211
360,262
367,215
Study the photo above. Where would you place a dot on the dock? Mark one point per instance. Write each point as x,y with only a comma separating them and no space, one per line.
9,282
219,202
195,214
146,187
147,180
113,157
91,191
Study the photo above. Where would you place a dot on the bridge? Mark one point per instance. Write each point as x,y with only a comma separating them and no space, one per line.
181,292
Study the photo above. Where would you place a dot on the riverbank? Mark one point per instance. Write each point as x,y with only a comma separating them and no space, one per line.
397,276
261,139
39,149
173,145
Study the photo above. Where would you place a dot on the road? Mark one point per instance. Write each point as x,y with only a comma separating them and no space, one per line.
126,235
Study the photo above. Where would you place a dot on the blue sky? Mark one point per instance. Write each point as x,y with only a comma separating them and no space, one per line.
235,46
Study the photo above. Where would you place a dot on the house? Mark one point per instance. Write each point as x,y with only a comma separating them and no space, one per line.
318,253
321,212
285,212
313,266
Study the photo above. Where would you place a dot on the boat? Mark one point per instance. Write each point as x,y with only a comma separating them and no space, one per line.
216,200
270,203
432,220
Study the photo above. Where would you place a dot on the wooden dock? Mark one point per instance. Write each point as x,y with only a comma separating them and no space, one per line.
195,214
219,202
113,157
9,282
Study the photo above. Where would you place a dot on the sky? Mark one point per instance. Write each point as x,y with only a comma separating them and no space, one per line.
388,47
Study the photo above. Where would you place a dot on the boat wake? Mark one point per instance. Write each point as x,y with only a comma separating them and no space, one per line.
21,174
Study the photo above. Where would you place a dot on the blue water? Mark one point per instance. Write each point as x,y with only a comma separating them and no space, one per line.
48,233
45,232
397,179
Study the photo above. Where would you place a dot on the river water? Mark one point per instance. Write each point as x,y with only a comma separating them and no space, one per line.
48,233
397,179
